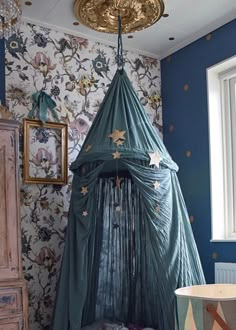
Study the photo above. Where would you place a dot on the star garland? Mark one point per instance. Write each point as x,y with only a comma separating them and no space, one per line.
88,147
116,155
118,181
84,190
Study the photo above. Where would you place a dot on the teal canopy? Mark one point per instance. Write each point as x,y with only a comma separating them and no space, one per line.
129,243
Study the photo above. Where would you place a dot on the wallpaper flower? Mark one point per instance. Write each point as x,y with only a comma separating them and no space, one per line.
76,73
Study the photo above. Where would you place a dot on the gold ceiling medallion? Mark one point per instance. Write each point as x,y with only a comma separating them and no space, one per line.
102,15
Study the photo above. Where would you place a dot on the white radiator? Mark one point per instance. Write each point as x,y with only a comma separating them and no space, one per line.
225,272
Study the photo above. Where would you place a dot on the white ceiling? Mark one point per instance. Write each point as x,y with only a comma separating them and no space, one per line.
188,20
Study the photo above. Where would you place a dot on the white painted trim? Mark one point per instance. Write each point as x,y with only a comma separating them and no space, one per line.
227,74
216,150
201,33
227,160
223,240
232,105
83,35
221,171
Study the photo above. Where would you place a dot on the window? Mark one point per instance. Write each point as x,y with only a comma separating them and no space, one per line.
221,80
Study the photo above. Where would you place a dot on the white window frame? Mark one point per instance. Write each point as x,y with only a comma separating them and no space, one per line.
221,88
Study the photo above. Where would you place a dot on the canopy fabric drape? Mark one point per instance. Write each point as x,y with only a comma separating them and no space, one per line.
128,245
119,275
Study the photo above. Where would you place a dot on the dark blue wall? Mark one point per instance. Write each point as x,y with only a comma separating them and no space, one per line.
2,72
185,118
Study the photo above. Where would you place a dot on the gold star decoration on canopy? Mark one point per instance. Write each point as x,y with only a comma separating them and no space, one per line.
158,208
117,136
154,158
84,190
119,142
156,184
116,155
88,147
118,208
85,213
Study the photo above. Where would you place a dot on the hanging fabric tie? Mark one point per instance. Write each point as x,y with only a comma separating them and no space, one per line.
42,101
119,57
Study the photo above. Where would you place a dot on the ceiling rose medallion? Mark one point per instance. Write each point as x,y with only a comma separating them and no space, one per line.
102,15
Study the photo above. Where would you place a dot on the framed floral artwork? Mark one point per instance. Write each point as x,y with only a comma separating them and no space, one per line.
45,152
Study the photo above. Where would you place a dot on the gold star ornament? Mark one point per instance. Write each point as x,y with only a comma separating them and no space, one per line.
118,208
117,135
158,208
119,142
156,185
84,190
88,147
116,155
154,158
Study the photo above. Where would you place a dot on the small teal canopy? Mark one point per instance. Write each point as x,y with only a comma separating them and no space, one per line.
129,243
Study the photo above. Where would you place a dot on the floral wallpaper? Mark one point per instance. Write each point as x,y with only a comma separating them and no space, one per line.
76,73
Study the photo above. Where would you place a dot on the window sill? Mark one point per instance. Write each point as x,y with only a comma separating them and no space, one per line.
224,240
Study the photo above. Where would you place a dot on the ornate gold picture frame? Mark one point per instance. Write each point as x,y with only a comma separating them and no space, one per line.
45,152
